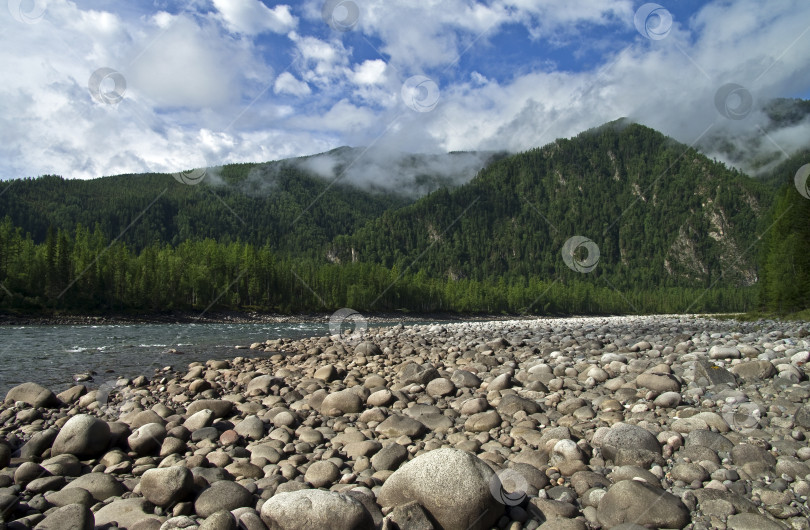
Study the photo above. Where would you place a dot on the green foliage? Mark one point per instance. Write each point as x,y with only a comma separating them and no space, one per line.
676,232
786,260
662,215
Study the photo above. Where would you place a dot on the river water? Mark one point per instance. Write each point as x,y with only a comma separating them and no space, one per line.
51,355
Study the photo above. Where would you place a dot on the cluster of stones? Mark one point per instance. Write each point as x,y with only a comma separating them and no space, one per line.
622,422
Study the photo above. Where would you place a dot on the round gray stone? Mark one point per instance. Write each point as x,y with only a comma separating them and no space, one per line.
222,495
305,509
83,436
452,485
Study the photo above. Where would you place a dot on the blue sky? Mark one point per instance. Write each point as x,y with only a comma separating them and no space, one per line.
205,82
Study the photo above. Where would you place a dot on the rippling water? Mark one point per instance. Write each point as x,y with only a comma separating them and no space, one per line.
51,355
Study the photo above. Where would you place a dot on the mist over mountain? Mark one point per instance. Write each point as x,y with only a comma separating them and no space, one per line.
773,132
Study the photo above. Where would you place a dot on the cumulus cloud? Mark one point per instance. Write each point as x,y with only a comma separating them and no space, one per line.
252,17
286,83
247,80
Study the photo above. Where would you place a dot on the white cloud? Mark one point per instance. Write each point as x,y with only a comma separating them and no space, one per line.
286,83
369,72
202,88
252,17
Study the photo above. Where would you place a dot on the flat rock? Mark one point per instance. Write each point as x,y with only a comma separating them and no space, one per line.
633,501
397,425
452,485
72,516
100,485
412,517
483,421
219,407
512,403
310,509
753,521
708,374
658,382
70,496
34,394
389,457
126,512
754,370
222,495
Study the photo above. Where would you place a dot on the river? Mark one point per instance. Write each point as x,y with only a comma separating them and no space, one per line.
52,355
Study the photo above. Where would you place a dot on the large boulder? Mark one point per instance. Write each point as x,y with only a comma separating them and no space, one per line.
340,403
126,512
147,439
630,444
83,436
100,485
305,509
167,486
73,516
634,501
453,486
33,394
222,495
220,407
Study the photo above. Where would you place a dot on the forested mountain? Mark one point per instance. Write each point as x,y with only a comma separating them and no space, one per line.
674,230
661,214
272,203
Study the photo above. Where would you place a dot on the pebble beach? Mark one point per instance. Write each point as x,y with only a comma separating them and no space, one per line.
675,421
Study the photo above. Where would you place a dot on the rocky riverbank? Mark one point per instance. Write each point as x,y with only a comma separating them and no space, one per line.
227,317
663,422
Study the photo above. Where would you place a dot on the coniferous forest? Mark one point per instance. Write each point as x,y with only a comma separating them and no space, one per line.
674,231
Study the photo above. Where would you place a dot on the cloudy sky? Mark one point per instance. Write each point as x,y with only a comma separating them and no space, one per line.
98,87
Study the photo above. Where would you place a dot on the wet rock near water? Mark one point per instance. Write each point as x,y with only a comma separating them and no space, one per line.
621,422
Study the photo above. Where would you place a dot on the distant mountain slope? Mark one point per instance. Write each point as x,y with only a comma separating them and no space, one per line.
258,203
758,144
661,214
